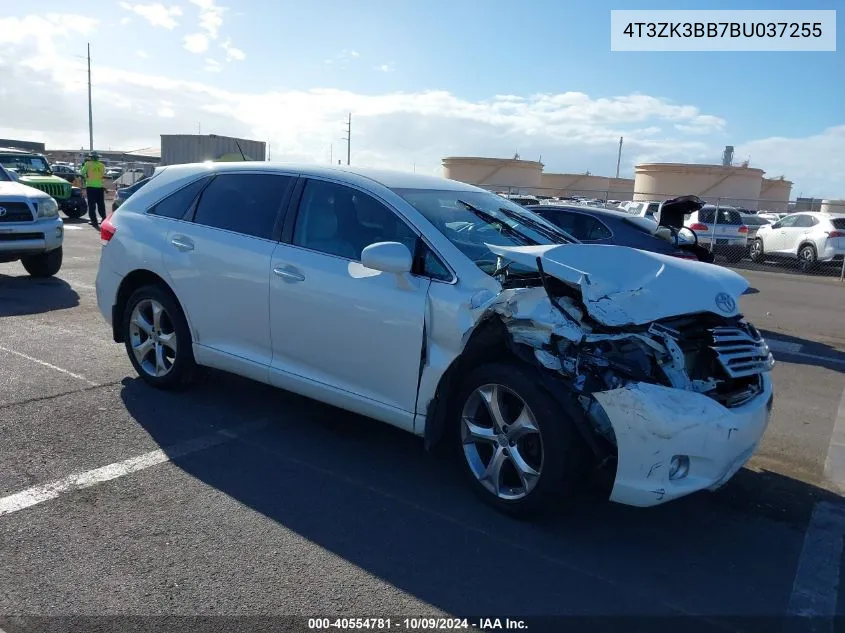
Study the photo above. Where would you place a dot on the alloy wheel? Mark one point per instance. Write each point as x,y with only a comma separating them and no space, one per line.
502,442
756,249
152,336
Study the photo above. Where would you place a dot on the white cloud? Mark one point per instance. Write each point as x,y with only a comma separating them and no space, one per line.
156,14
386,68
125,20
195,43
232,53
212,66
342,58
572,130
142,54
211,17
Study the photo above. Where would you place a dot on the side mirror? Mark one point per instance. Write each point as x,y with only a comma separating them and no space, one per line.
776,225
388,257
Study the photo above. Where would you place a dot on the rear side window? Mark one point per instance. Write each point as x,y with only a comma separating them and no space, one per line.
838,223
726,216
177,205
243,203
805,221
579,225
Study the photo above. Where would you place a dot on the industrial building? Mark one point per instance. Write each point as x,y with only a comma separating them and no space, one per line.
177,149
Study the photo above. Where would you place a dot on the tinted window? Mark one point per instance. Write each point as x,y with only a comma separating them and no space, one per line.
243,203
579,225
838,223
177,204
805,221
338,220
726,216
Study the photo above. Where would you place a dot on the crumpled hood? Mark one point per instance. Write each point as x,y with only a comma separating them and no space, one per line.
627,286
19,190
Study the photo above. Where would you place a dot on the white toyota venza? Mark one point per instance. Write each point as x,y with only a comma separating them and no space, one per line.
449,312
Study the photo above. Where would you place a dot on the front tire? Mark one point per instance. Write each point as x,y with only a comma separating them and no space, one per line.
519,451
757,252
43,264
157,339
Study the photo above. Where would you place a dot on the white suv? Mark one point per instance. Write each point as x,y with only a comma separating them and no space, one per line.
30,227
447,311
810,238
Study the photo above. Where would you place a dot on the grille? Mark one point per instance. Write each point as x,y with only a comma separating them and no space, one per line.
15,212
60,191
18,237
741,351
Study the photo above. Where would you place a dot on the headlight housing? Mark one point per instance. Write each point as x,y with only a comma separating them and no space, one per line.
48,208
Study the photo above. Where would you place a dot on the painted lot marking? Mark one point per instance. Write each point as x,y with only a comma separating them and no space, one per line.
78,481
48,365
777,345
816,585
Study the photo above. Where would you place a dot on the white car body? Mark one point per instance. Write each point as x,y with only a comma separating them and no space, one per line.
724,233
382,344
814,236
29,221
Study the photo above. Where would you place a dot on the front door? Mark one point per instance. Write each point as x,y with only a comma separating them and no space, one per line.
337,324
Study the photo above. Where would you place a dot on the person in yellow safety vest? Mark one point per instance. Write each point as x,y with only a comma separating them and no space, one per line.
93,173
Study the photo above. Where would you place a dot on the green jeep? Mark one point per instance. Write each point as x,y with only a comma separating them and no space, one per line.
31,168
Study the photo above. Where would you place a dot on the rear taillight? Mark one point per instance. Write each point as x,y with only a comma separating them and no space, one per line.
743,229
836,233
107,230
698,226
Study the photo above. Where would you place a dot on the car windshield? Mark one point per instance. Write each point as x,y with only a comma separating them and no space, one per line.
25,163
472,219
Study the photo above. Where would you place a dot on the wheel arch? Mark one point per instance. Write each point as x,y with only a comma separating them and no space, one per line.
137,279
810,243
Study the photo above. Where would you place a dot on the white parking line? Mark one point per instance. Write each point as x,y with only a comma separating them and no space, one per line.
49,365
816,585
834,465
77,481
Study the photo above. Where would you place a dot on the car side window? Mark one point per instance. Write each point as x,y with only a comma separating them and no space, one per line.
243,203
342,221
788,221
176,205
597,231
805,221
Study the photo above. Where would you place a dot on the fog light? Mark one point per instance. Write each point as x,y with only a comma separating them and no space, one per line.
679,467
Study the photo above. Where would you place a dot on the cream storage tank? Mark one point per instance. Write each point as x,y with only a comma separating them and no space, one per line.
833,206
574,185
729,185
774,195
500,174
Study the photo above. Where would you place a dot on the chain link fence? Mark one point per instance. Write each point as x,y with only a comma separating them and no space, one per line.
803,236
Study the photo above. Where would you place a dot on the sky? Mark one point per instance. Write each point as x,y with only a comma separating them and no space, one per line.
423,80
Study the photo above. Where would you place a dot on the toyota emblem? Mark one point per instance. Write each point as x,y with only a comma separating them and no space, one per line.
725,302
3,211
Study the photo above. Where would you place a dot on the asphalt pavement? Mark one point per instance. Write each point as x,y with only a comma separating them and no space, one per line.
237,499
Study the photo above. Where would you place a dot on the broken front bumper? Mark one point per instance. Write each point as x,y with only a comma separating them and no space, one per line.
654,424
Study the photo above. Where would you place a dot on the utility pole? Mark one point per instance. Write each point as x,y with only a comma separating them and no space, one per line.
619,157
90,111
348,138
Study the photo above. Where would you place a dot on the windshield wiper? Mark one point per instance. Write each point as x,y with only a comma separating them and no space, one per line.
492,219
550,232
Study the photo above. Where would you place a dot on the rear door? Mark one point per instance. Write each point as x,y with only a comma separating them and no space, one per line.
219,262
799,233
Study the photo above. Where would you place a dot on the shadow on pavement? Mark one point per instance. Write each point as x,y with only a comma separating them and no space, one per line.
28,295
811,352
370,494
788,267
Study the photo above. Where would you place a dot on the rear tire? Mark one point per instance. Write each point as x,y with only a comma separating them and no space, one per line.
76,211
757,252
807,258
157,339
526,465
44,264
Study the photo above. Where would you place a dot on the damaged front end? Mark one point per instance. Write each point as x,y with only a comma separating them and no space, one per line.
677,404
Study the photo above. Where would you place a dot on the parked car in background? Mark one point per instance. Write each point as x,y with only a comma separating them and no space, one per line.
122,194
644,209
33,169
65,171
810,238
31,230
605,226
449,312
753,222
721,230
772,217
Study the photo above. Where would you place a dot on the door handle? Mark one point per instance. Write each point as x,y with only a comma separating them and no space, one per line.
289,275
182,243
